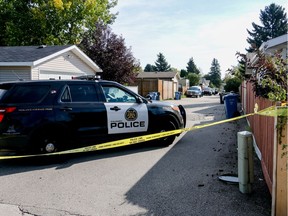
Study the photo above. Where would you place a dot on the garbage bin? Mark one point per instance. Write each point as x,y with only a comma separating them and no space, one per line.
153,95
222,95
221,98
230,102
177,95
157,95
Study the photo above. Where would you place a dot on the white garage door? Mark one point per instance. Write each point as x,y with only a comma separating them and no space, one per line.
44,75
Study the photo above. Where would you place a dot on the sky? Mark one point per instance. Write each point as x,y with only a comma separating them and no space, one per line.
184,29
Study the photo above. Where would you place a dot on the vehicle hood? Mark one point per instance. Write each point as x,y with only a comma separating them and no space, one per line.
165,104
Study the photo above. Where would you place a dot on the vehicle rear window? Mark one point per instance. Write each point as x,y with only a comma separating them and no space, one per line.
3,89
2,92
27,93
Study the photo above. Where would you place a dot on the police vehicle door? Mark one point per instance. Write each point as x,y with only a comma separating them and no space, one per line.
124,114
79,108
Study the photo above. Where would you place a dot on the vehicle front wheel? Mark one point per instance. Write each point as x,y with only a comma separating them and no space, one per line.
166,141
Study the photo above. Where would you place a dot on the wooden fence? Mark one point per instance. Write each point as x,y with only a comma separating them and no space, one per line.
267,146
263,130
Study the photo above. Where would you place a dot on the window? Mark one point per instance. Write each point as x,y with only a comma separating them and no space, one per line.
3,89
79,93
114,94
28,93
66,97
2,92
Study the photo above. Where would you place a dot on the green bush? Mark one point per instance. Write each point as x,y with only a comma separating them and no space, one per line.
232,84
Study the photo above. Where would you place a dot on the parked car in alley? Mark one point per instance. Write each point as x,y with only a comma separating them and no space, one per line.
53,115
207,91
194,91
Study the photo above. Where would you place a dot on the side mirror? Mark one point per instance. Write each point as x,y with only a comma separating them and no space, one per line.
148,97
141,100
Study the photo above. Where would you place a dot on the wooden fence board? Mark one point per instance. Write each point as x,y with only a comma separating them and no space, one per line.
280,199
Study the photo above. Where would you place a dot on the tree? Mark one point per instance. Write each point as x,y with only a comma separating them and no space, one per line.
232,84
274,21
51,22
194,79
215,74
109,52
183,73
161,64
271,78
149,68
191,67
239,70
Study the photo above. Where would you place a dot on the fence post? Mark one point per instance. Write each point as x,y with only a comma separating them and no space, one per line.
245,161
280,174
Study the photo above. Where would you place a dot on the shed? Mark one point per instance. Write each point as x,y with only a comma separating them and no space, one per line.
44,62
164,82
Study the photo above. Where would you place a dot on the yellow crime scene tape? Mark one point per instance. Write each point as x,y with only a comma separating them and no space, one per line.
270,111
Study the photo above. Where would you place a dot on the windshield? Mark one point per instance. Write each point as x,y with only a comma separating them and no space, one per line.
194,88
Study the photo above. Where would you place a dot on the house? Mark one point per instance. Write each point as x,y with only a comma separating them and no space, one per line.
44,62
278,44
204,82
166,83
184,84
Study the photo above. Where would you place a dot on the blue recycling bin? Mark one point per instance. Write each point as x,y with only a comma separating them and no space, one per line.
230,102
154,95
177,95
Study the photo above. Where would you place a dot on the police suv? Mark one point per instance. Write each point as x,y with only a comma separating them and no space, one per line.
54,115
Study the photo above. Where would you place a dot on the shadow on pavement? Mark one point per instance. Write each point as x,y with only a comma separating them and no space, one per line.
185,181
20,165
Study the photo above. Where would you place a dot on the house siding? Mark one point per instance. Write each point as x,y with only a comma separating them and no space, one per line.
67,62
14,73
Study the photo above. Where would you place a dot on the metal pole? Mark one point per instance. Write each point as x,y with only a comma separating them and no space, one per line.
245,161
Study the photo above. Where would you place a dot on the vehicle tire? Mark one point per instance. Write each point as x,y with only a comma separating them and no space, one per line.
47,142
166,141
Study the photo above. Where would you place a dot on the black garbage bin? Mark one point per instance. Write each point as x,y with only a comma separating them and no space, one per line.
221,95
230,101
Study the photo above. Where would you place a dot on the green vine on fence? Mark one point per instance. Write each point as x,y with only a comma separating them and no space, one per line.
281,122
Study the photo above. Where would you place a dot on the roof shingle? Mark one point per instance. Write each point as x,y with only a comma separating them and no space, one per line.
27,53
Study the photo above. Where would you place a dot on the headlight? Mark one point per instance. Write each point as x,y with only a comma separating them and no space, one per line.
176,108
173,107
